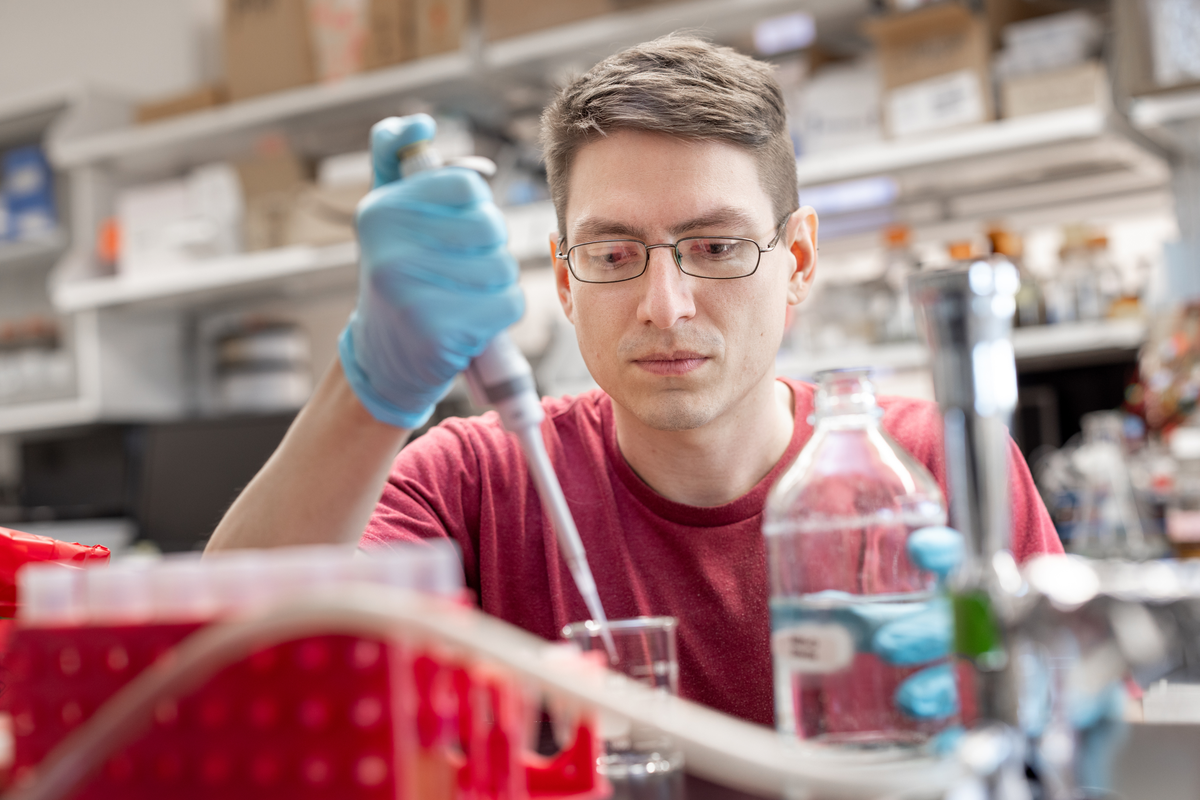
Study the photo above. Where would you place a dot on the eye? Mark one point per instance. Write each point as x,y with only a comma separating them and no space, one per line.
711,249
610,256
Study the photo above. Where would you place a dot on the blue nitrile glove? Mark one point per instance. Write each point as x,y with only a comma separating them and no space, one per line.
436,283
1097,719
910,634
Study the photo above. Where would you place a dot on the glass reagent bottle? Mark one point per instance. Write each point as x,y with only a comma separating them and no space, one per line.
836,526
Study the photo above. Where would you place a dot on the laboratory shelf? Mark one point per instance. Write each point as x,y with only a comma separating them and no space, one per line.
598,37
1031,346
472,77
15,255
1008,136
291,270
1078,338
45,414
218,279
203,129
1173,105
897,357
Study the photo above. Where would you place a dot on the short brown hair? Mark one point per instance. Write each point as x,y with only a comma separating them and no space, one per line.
681,86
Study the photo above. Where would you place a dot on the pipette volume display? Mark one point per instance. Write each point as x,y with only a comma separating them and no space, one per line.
501,377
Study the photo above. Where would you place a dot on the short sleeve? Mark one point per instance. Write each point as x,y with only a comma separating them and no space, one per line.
1033,531
917,426
432,492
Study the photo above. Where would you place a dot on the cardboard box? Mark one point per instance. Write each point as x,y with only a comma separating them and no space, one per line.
175,223
390,35
323,215
338,29
504,18
439,26
270,183
1081,85
196,100
934,63
267,46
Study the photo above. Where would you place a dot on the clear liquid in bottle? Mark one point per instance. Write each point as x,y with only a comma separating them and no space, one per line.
836,526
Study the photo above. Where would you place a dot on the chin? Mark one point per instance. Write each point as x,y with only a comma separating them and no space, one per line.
673,413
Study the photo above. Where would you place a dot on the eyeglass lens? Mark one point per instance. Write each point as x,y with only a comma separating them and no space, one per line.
603,262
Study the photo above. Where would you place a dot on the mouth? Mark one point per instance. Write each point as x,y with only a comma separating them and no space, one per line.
679,362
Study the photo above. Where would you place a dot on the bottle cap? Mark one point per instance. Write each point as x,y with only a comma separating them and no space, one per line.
896,236
961,251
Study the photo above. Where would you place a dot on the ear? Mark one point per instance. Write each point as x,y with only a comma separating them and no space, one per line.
801,240
562,280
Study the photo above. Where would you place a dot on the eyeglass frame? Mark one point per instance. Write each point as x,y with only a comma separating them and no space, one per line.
678,257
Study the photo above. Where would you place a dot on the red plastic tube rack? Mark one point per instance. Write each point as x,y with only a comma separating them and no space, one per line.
328,716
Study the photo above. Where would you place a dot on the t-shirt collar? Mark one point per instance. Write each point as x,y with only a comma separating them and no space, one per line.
742,508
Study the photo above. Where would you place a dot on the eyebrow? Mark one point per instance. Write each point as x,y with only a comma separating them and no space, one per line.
731,219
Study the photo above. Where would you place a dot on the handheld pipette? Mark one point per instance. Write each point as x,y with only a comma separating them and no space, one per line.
500,376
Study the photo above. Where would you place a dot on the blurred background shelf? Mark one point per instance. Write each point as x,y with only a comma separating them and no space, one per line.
990,139
1171,105
1036,348
1063,164
229,130
481,76
1075,343
16,255
292,270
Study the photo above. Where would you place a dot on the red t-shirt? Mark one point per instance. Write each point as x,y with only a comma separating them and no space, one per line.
467,479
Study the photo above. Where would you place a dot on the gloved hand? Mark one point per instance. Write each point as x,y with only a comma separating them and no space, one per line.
1093,717
436,280
909,634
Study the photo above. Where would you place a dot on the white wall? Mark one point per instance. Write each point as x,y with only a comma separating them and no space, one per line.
145,49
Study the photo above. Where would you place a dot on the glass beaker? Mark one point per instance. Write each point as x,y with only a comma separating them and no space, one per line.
640,763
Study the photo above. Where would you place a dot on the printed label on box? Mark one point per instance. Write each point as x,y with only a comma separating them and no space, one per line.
813,649
941,102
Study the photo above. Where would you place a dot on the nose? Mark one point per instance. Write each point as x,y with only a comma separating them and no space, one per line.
666,291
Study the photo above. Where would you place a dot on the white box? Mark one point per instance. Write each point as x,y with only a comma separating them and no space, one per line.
946,101
1080,85
839,108
175,223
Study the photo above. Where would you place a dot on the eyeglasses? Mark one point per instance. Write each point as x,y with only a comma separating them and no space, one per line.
719,258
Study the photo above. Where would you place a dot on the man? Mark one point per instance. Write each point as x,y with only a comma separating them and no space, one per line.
681,248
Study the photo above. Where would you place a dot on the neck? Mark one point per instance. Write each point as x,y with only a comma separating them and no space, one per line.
719,462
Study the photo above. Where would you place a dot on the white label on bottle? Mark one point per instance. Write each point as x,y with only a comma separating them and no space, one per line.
813,648
1183,526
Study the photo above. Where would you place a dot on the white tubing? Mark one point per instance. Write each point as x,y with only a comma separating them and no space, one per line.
716,747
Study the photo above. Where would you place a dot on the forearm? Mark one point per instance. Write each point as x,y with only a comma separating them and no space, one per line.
322,482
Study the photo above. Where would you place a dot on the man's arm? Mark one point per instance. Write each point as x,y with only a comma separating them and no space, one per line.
322,483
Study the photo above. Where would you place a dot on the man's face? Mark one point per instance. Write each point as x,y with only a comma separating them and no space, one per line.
674,350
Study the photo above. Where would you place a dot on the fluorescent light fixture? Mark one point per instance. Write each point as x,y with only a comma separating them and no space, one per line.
787,32
847,196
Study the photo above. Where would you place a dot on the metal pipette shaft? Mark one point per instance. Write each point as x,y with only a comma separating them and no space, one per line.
500,376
